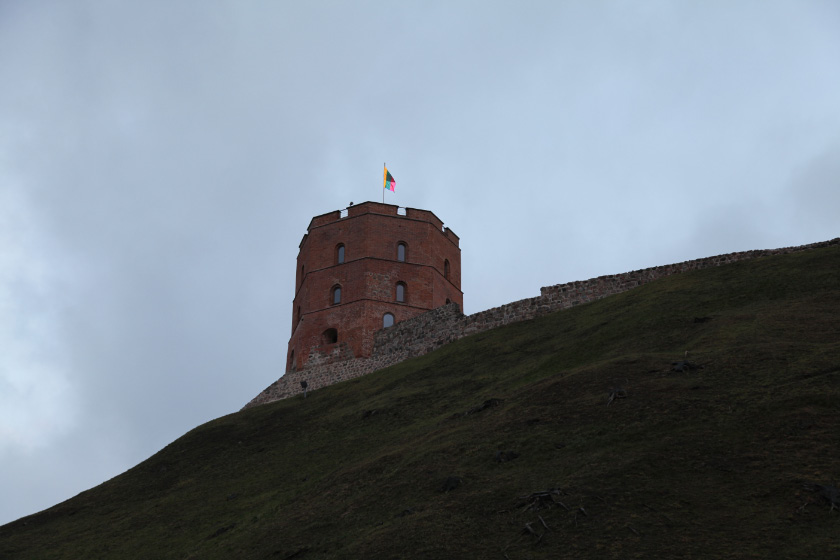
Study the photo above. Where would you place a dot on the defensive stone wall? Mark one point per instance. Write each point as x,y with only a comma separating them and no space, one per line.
431,330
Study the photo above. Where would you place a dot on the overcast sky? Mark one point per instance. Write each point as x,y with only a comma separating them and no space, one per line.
160,161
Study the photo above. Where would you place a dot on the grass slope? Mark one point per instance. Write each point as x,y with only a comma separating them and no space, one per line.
705,463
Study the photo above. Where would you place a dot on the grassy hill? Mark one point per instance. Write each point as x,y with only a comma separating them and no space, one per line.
503,445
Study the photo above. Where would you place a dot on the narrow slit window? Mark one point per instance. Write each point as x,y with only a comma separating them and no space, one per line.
339,254
446,269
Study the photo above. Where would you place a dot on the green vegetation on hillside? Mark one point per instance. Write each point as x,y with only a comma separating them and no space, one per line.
502,445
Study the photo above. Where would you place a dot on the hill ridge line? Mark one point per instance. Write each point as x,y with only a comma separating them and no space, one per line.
431,330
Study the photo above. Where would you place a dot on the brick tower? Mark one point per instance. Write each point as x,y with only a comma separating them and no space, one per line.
366,270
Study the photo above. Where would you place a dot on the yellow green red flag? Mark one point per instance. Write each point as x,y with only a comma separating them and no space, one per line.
389,183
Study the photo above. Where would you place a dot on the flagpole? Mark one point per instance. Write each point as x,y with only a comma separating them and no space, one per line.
384,167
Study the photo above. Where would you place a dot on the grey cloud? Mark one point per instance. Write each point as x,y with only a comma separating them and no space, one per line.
814,193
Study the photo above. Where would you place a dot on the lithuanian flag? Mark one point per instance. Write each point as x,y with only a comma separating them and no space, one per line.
389,183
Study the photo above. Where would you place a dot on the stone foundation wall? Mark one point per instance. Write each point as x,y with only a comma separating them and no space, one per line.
431,330
412,337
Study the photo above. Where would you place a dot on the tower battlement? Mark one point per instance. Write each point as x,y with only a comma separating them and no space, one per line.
382,210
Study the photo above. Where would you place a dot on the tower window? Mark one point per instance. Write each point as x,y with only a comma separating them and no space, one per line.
297,318
387,320
292,361
339,254
336,295
329,336
400,292
401,249
446,269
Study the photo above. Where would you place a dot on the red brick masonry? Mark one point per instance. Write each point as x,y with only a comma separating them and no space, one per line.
369,235
431,330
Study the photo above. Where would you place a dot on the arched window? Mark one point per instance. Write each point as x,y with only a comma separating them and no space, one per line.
335,298
401,295
448,301
446,269
401,251
329,336
339,254
387,320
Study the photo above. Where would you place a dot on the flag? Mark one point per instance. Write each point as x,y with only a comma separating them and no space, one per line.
389,181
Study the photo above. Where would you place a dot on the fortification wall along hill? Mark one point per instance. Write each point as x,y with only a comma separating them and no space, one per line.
431,330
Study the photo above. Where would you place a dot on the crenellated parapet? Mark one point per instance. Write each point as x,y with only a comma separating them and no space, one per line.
380,209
